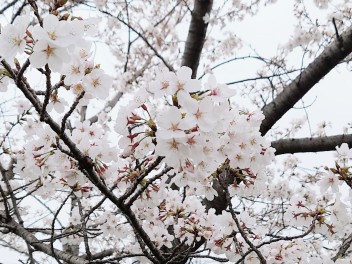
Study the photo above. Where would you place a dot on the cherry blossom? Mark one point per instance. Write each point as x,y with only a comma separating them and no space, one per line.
198,112
13,37
171,124
329,181
219,92
54,32
162,84
97,84
179,166
74,72
184,81
344,153
46,53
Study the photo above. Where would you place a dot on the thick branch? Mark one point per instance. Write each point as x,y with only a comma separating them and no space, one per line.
196,35
343,248
292,93
8,172
219,202
295,145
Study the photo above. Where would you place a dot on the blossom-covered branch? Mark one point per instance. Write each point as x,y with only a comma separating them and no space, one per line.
177,170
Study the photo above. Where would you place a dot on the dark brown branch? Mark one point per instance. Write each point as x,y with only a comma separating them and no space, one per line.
69,113
292,93
232,60
343,248
87,167
6,205
53,228
102,254
134,186
34,6
196,35
48,91
238,224
2,11
296,145
84,230
283,238
18,12
146,185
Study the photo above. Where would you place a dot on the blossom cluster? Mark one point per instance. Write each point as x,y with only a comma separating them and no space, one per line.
196,130
62,44
203,138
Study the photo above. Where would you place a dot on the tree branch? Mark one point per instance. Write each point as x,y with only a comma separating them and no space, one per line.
296,145
38,245
282,146
343,248
86,165
12,3
8,172
292,93
196,35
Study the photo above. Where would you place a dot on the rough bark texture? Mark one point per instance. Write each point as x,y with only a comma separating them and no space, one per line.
297,145
7,172
196,35
346,244
315,71
219,202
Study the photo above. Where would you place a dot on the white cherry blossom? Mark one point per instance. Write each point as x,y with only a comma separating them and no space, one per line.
53,31
13,37
199,113
171,124
46,53
97,84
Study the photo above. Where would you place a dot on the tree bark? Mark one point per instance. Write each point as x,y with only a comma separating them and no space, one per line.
292,93
299,145
346,243
196,35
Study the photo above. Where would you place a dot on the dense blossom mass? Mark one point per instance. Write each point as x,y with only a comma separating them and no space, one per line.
180,171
